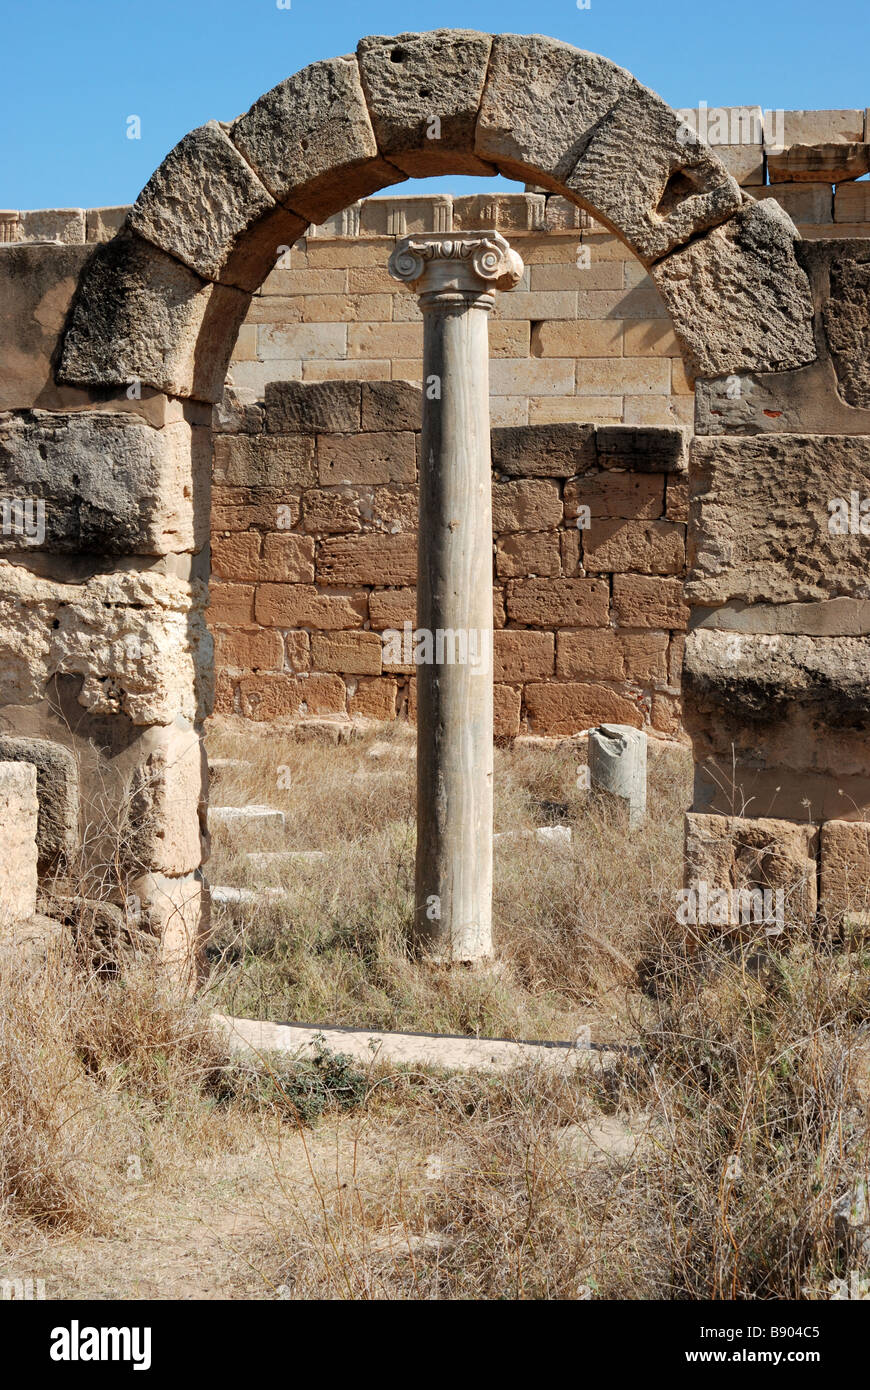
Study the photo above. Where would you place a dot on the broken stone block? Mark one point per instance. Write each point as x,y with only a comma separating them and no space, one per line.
168,783
206,206
413,80
738,297
736,852
19,811
108,483
831,162
177,911
57,789
310,141
761,518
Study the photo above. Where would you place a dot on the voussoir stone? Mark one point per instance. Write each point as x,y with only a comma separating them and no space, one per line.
110,483
761,518
412,81
206,206
57,789
738,298
311,142
541,102
142,317
651,188
137,642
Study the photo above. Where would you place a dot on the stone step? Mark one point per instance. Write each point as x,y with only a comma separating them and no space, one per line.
235,817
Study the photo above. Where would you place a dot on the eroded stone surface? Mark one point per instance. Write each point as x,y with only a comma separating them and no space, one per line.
18,822
739,852
845,866
57,788
846,318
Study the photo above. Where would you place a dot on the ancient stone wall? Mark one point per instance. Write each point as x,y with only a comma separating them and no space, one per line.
314,563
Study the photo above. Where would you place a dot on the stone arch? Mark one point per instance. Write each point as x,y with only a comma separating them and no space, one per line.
163,302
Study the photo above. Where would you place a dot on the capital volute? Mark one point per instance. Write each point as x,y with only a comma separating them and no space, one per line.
474,265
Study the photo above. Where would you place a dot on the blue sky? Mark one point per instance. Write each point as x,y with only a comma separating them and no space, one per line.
76,69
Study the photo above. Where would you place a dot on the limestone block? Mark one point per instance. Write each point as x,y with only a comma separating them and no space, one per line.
431,212
613,544
813,127
630,495
570,706
739,852
412,78
804,202
140,315
110,483
643,601
528,553
522,656
66,225
554,603
640,179
391,405
392,607
137,641
833,162
266,697
541,101
300,605
101,224
176,910
506,708
311,142
206,206
18,832
643,449
852,202
845,866
37,284
373,698
266,460
552,451
368,559
738,297
846,317
528,504
504,212
380,457
167,784
351,653
57,789
297,407
761,518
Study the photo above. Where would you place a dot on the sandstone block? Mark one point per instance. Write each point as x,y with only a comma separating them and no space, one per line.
206,206
369,559
762,519
252,650
846,317
411,78
531,376
738,298
266,460
297,651
595,655
380,457
631,495
577,338
300,605
737,852
57,790
351,653
287,558
528,553
567,707
643,449
852,202
18,825
266,698
391,405
554,603
844,855
392,608
296,407
109,483
232,604
551,451
526,505
506,706
311,142
330,512
374,698
640,600
804,202
653,547
522,656
37,284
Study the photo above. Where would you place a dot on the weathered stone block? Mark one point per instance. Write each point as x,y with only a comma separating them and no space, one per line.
657,190
734,852
109,483
566,708
352,653
630,495
300,605
642,449
643,601
526,505
738,298
57,789
37,284
554,603
265,460
330,512
265,698
827,163
411,78
373,698
311,142
760,508
18,829
232,604
522,656
590,656
846,316
371,559
811,203
391,405
506,707
380,457
168,790
528,553
256,650
392,608
206,206
844,866
529,75
544,451
310,407
654,547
